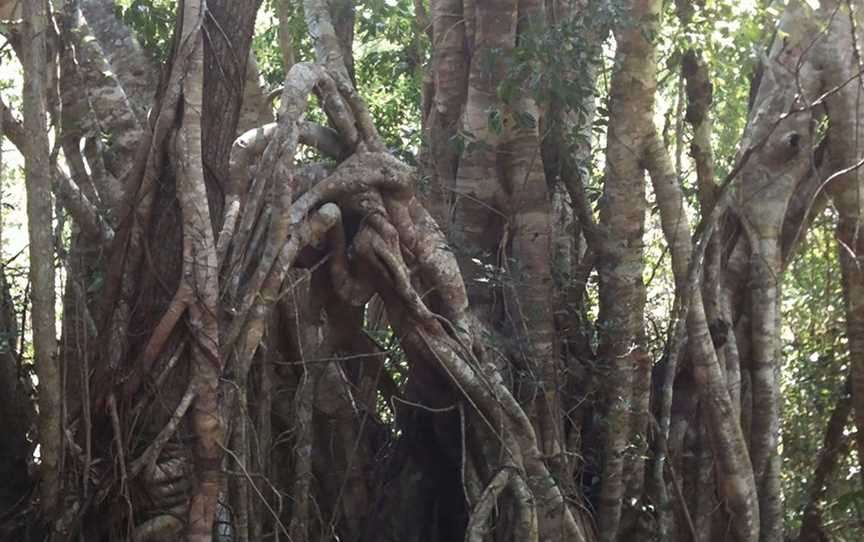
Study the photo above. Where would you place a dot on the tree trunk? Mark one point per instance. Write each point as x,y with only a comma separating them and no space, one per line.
353,349
40,212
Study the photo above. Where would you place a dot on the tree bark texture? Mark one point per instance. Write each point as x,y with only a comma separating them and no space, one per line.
355,349
40,213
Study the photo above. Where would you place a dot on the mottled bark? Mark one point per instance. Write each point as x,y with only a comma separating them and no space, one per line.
735,476
128,61
201,273
781,131
229,27
622,292
256,107
40,228
448,87
491,378
105,108
847,191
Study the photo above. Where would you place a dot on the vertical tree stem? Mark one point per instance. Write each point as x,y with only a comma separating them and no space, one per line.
40,222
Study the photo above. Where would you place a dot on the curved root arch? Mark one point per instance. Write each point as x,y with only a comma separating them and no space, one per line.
373,237
395,250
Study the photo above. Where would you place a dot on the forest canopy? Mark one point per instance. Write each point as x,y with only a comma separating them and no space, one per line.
431,270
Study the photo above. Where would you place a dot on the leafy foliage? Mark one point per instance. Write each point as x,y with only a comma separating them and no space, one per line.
389,57
816,365
153,21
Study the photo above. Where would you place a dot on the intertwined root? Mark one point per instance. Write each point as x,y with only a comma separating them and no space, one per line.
378,239
364,228
167,486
